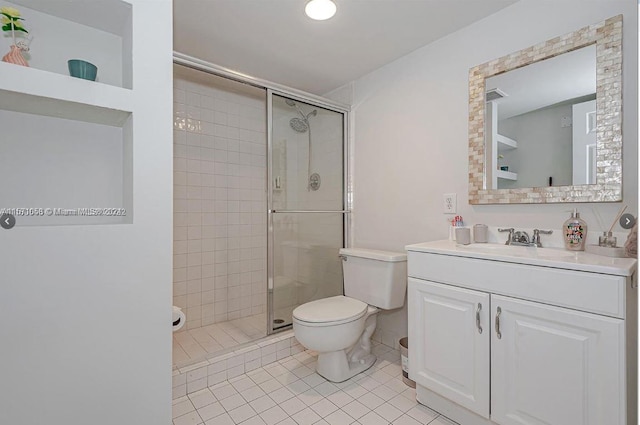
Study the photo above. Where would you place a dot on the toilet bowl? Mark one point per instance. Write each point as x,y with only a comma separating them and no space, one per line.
339,328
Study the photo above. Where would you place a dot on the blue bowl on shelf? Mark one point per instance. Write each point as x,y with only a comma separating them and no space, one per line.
82,69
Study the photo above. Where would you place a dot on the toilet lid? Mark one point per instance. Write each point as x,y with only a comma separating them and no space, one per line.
334,310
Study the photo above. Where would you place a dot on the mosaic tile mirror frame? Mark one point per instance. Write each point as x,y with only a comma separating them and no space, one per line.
607,36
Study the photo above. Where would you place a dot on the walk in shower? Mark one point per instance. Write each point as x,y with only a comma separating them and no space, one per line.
259,208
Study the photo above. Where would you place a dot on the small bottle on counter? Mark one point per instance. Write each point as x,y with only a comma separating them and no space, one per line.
575,232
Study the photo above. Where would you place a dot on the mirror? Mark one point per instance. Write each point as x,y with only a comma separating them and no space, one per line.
545,122
536,133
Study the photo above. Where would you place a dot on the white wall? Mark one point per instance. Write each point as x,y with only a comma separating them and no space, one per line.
86,334
410,125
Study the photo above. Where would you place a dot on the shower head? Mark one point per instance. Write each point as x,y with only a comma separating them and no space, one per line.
298,124
301,125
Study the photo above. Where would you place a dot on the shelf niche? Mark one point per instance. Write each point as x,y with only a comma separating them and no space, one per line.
50,162
97,31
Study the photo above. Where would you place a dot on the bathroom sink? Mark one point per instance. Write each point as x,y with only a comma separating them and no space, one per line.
487,246
494,248
549,257
554,253
518,251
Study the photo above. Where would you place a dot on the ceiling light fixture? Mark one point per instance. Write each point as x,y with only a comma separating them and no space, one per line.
320,10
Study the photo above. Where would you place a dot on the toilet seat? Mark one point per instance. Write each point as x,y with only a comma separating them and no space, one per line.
330,311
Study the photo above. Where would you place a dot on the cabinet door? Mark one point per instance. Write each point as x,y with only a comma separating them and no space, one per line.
449,337
555,366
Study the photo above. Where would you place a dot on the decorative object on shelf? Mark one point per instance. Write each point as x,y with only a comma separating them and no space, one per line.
82,69
11,22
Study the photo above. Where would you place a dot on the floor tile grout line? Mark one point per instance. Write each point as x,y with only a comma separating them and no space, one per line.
323,397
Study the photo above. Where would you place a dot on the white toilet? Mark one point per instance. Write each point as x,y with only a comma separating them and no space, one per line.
339,328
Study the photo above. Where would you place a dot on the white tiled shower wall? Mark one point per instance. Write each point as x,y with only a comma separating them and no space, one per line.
219,198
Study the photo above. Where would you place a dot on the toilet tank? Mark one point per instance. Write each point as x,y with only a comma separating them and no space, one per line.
378,278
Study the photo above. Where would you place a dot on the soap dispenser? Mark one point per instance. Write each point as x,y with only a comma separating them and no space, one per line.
575,232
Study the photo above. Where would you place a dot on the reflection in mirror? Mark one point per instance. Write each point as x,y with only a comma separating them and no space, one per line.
537,132
540,123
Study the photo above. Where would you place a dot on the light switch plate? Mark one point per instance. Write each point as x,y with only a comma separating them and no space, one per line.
449,203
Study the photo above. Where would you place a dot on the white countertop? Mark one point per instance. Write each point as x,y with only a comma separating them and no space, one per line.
547,257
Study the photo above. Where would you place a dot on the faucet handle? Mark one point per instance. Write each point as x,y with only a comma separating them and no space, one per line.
510,237
536,236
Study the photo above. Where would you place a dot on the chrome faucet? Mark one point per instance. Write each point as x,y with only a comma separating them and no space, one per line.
521,238
536,236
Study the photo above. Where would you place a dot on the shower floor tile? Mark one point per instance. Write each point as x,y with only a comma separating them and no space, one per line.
291,404
197,344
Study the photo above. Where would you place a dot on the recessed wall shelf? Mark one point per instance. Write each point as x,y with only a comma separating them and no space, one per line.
97,31
507,175
505,143
69,141
46,93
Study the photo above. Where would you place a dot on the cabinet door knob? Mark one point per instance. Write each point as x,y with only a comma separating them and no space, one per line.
478,318
499,312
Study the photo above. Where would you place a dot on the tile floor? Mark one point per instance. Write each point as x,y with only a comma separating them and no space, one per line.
289,392
199,343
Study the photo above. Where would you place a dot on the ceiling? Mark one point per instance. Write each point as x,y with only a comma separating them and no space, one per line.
275,41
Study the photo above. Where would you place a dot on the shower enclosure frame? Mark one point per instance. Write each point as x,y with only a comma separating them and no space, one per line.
295,95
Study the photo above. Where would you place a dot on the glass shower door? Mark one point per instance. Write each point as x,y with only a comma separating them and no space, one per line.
306,205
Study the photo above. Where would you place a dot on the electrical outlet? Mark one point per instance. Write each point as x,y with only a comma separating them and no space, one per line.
449,203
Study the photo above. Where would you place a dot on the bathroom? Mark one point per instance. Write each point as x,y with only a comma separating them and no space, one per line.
406,146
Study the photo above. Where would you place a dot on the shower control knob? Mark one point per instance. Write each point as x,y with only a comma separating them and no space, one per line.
314,181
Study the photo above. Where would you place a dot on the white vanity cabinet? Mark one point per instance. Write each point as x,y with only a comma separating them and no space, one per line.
555,365
449,350
511,337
